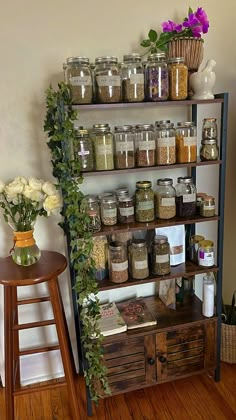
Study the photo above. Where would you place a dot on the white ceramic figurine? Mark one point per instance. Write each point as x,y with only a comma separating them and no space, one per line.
203,82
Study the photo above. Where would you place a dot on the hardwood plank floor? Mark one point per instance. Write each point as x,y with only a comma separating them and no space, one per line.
196,397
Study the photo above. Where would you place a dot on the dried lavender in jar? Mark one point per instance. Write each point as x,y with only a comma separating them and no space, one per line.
156,78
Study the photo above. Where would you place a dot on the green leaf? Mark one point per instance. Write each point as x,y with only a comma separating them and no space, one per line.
152,35
190,11
145,43
153,50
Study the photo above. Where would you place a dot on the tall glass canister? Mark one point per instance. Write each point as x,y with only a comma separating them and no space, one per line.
103,145
124,147
132,78
156,78
108,80
145,145
78,75
166,148
178,79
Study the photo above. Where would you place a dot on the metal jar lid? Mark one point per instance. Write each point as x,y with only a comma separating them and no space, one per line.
121,128
125,199
121,191
101,127
91,198
157,57
80,132
165,181
185,180
133,57
195,239
108,200
176,60
157,123
143,184
139,243
209,141
185,124
160,239
106,59
145,127
206,244
116,246
105,194
77,60
165,126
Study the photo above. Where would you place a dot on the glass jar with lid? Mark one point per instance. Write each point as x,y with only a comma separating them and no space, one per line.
78,75
186,142
194,247
165,199
160,255
109,211
83,150
132,78
118,262
209,128
185,197
125,209
108,80
166,149
103,145
124,146
121,192
178,79
200,199
91,206
145,145
100,256
209,149
144,202
206,253
207,208
138,259
156,78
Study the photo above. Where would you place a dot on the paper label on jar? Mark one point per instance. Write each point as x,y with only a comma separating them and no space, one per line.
206,258
84,152
189,198
147,145
104,149
208,207
108,80
125,146
109,212
140,265
162,258
120,266
137,79
129,211
190,141
145,205
81,81
170,201
166,142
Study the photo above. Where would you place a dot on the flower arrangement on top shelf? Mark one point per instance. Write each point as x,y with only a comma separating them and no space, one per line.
22,201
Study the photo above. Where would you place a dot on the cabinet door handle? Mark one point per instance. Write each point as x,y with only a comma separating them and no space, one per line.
162,359
151,361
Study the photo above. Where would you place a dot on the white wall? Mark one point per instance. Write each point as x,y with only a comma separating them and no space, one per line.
36,38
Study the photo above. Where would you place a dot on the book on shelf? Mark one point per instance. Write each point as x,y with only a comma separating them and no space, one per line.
136,313
111,321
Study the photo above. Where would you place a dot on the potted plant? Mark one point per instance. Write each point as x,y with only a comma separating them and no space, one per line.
228,333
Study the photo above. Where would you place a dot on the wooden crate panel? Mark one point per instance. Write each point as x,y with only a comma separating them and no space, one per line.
123,348
129,385
183,370
185,335
185,354
126,367
196,344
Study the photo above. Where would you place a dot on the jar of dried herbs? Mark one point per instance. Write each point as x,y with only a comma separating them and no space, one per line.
124,146
108,80
207,208
132,78
83,150
144,202
160,255
166,150
125,209
91,206
118,262
145,145
138,258
209,149
178,79
156,78
165,199
103,144
78,75
186,200
186,142
109,211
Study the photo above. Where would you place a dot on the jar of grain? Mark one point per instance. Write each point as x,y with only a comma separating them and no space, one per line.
178,79
125,209
207,208
132,78
209,149
100,257
186,142
124,146
165,199
118,262
144,202
156,78
78,75
209,128
166,150
194,247
186,200
108,80
103,144
145,145
109,211
160,255
91,206
138,259
83,150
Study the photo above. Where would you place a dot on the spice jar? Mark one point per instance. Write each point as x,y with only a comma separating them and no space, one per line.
78,75
186,142
166,150
109,211
108,81
165,199
209,129
209,150
91,206
207,208
83,150
103,144
185,197
125,210
138,258
118,262
206,255
160,255
200,199
178,79
124,146
145,145
156,78
100,257
132,78
144,202
194,247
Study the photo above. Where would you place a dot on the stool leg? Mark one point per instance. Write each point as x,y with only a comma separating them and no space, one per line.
9,353
16,339
65,346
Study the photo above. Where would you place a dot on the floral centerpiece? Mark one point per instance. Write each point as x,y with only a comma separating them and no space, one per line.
22,202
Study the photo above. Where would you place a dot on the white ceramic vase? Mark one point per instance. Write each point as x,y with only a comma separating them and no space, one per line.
203,82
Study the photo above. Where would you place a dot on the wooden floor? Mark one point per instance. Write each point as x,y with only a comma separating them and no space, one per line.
197,397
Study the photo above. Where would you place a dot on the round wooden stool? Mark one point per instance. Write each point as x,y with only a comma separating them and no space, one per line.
50,265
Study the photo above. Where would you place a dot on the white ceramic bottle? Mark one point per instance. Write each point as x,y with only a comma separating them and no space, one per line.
203,82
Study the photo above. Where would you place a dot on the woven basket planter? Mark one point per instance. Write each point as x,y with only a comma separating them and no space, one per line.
189,48
228,343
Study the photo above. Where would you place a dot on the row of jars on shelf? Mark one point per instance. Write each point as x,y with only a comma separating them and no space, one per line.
131,81
165,204
141,145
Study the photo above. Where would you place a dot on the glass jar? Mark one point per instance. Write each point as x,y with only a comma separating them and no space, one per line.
83,150
78,75
124,145
132,78
100,257
206,255
104,150
166,149
209,150
207,208
121,192
125,209
138,259
160,255
186,200
200,199
108,80
91,206
109,211
194,247
178,79
144,202
186,142
118,262
156,78
145,145
209,129
165,199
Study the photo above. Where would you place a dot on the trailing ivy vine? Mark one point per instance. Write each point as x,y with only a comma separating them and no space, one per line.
59,125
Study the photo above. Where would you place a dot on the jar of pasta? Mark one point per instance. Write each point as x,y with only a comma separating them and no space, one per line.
166,150
118,262
78,75
145,145
186,142
103,144
165,199
156,78
124,146
160,255
178,79
109,211
108,80
186,200
138,259
144,202
132,78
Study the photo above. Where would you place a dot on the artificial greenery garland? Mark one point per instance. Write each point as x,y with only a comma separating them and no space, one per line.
59,124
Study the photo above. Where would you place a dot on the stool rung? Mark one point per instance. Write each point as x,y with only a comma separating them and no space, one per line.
33,300
34,388
34,324
38,350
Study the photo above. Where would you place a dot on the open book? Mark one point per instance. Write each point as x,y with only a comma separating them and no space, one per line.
136,313
111,321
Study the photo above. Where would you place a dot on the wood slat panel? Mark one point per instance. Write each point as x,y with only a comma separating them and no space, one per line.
185,346
126,376
181,370
124,360
123,348
129,367
130,384
185,354
182,336
184,361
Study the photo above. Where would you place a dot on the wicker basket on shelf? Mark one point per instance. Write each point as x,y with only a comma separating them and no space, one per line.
228,332
189,48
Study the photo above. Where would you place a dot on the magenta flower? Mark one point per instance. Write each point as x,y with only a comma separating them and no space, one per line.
203,19
171,26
